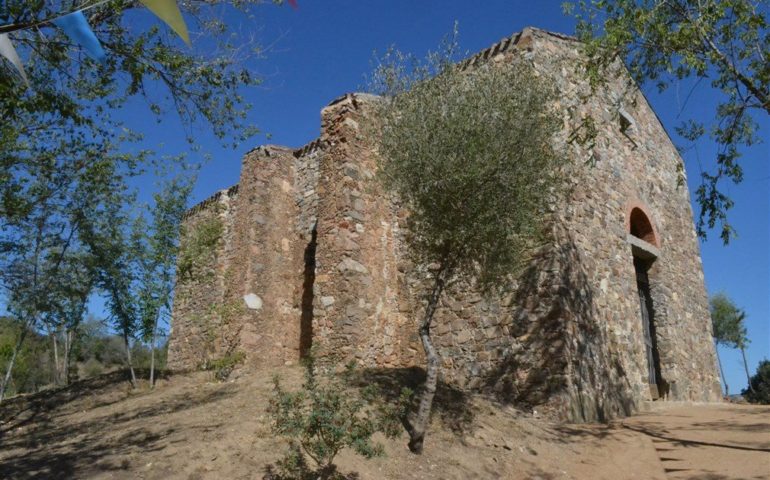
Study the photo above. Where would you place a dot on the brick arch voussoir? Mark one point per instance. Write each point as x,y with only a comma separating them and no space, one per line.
638,204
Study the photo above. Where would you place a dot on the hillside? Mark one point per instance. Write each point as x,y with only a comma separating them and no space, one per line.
193,428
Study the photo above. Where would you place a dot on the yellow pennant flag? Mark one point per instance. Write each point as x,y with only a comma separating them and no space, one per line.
7,51
168,11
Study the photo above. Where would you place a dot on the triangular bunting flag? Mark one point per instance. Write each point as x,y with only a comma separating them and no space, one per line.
76,27
168,11
7,50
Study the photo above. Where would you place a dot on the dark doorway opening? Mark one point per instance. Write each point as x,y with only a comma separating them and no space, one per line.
648,326
306,319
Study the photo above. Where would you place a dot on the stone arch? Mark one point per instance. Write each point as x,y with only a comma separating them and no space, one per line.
639,223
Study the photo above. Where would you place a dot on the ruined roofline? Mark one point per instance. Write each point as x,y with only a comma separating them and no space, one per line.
314,144
268,147
233,190
502,46
506,43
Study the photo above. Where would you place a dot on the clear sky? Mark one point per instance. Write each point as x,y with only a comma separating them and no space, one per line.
324,49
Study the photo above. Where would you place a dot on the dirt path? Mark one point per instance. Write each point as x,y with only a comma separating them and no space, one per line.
192,428
708,442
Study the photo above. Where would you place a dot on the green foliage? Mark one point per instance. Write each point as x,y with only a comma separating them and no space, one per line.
469,153
67,158
33,369
223,366
759,390
324,417
95,351
724,42
199,245
92,368
727,322
95,344
155,246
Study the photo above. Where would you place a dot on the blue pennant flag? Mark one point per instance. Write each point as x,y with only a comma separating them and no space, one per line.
76,27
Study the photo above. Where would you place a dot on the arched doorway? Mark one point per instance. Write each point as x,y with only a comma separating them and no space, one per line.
643,238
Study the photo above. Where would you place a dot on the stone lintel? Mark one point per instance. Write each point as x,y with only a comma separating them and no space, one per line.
642,249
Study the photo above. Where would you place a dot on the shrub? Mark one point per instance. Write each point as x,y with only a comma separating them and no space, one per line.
326,416
91,368
761,385
223,366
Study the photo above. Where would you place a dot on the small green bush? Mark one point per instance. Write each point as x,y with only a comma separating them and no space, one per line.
326,416
761,385
92,367
224,366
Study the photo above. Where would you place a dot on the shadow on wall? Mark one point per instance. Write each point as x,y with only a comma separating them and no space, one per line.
452,405
306,319
562,355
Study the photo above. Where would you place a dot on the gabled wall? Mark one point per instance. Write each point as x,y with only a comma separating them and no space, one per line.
312,234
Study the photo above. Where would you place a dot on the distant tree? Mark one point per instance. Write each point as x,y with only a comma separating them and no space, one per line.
156,246
68,305
32,366
477,198
758,390
109,242
40,253
63,160
729,330
724,42
94,343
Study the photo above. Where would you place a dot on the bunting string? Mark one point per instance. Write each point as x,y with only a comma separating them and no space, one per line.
75,25
13,27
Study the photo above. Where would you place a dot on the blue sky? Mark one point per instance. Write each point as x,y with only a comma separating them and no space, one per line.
324,49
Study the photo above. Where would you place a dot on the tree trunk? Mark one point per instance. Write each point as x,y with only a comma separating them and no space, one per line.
152,353
66,360
128,359
746,367
8,371
420,422
56,370
722,373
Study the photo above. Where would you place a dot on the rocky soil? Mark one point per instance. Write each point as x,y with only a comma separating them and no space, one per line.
191,427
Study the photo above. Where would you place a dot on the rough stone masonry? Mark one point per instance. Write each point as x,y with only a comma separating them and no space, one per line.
612,313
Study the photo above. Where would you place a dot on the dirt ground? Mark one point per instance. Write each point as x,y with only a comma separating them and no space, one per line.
191,427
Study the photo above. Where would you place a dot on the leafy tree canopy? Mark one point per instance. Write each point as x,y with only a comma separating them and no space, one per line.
759,385
66,199
725,43
727,320
470,154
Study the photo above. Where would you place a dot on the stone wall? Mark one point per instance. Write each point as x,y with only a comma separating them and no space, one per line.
358,312
264,281
198,332
315,255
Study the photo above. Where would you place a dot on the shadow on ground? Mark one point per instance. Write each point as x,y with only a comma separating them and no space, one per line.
52,449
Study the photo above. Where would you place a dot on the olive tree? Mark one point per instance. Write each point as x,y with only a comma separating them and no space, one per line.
470,154
729,330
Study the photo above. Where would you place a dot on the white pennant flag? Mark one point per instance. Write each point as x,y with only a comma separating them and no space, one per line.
7,50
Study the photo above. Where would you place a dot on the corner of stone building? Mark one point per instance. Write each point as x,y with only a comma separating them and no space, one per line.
358,285
195,330
263,281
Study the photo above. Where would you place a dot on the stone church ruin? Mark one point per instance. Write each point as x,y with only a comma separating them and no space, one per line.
613,312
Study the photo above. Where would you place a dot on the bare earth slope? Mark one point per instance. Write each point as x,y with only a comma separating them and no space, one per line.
193,428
